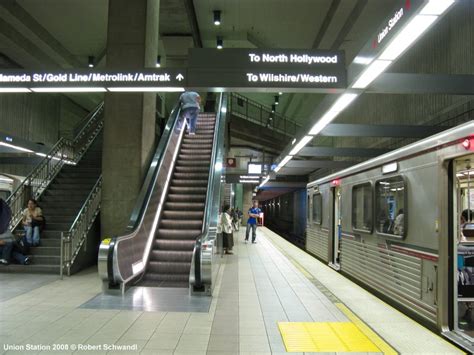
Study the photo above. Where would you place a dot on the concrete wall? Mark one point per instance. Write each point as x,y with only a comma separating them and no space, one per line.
246,201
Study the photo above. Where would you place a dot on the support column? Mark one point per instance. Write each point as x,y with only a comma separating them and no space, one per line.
129,124
246,201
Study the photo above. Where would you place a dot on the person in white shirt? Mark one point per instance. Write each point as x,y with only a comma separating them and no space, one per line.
227,230
32,221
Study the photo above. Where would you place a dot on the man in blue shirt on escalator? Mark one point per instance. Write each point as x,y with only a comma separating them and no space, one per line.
253,213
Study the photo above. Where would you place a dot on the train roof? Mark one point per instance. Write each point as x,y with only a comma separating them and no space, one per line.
445,137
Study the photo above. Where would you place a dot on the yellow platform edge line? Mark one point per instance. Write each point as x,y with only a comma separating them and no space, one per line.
365,329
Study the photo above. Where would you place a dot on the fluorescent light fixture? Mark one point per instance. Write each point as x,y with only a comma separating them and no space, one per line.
224,109
145,89
389,168
249,181
76,89
16,147
280,93
371,73
41,154
342,102
91,61
305,140
253,168
436,7
265,181
293,141
415,28
219,43
158,61
5,179
15,90
283,162
363,60
218,166
323,122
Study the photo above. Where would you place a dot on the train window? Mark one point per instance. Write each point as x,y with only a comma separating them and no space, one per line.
317,208
390,197
362,207
308,211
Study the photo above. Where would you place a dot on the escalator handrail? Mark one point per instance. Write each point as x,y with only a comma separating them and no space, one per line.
210,195
144,197
145,193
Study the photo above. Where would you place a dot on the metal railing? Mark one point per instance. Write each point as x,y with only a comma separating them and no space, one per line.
64,151
250,110
72,240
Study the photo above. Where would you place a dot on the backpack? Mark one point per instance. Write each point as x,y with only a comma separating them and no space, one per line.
5,216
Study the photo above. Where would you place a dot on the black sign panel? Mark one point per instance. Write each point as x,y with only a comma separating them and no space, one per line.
273,68
144,78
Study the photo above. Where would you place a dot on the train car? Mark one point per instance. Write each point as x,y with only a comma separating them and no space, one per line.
401,226
6,186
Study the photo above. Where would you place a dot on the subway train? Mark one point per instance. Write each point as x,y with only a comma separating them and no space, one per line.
394,225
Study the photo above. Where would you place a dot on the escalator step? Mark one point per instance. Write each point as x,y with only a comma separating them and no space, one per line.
182,234
193,157
177,182
167,267
195,151
199,137
194,163
174,245
188,169
185,198
175,190
184,206
180,215
190,175
179,225
196,146
171,255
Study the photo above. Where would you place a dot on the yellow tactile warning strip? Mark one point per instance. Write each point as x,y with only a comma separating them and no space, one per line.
325,337
366,330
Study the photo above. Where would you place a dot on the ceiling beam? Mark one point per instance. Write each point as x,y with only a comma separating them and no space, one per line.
326,22
395,131
407,83
349,23
193,22
341,152
315,164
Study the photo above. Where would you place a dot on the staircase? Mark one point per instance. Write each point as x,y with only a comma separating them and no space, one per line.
181,221
61,203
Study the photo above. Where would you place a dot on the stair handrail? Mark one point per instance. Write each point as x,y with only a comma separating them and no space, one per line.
73,239
279,123
205,242
63,152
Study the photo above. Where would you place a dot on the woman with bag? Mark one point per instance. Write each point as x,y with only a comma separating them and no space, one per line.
227,230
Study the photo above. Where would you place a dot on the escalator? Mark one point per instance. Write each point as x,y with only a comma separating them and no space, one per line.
172,252
171,240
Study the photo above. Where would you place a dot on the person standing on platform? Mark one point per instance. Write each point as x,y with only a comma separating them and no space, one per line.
253,213
227,230
190,105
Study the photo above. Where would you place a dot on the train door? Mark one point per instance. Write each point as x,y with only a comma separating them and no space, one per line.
336,227
463,220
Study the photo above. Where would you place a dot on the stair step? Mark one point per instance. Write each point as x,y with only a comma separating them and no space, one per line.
30,269
49,234
178,225
180,215
46,260
182,234
54,226
55,210
174,245
45,250
197,140
171,255
184,206
50,242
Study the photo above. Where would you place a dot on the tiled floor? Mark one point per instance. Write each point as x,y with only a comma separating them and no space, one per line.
257,287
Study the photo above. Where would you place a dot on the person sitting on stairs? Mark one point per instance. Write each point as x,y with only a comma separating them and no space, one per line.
33,220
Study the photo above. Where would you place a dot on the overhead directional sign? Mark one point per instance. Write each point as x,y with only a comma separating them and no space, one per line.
272,68
88,80
226,69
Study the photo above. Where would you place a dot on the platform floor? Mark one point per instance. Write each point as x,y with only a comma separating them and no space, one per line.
261,289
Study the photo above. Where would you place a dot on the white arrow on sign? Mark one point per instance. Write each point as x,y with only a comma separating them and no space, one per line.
179,77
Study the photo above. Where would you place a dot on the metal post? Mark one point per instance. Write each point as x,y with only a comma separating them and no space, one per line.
61,256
